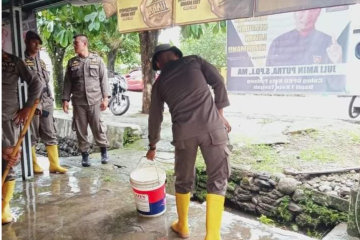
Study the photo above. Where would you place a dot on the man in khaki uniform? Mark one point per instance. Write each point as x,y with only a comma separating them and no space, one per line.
87,84
14,68
43,123
198,121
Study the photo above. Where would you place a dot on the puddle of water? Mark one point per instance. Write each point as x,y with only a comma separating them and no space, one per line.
74,184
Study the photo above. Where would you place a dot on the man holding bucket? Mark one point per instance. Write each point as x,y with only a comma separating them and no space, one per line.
198,121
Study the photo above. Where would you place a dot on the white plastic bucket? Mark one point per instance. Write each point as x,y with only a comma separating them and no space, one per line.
149,191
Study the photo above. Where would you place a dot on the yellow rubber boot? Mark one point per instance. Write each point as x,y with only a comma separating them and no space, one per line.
181,226
7,194
214,210
36,167
53,156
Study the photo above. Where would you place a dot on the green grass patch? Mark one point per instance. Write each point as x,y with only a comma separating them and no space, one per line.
129,137
108,179
355,138
318,154
260,157
265,220
282,212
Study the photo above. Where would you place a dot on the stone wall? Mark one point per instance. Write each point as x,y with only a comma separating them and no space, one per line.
67,141
278,196
114,132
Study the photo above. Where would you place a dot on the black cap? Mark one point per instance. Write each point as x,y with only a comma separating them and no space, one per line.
162,48
32,35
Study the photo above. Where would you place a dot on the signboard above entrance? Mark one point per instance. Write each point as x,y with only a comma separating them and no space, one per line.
142,15
198,11
268,7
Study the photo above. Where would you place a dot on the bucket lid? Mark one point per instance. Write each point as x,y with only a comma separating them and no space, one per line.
147,175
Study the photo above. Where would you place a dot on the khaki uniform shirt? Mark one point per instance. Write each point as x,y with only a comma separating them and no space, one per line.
38,67
86,80
183,86
14,68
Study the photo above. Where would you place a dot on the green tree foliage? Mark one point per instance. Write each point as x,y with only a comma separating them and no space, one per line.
198,30
57,30
210,45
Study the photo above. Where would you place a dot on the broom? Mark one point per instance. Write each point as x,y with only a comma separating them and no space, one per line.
21,138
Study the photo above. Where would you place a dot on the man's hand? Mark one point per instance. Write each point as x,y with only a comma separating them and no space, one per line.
22,115
335,52
6,155
38,112
66,106
104,104
150,155
227,124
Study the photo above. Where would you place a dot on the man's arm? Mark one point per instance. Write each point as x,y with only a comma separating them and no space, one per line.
155,116
216,81
103,76
35,86
67,85
103,85
66,90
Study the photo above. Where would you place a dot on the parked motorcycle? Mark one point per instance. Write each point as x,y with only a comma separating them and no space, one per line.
119,102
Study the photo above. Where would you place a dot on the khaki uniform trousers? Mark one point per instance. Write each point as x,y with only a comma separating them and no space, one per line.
44,128
11,134
84,115
213,146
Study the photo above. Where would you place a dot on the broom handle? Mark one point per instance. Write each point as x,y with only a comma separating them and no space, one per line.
21,138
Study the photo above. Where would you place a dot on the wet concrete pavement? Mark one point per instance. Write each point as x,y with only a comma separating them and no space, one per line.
97,204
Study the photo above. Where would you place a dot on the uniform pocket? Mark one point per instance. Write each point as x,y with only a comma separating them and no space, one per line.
75,72
228,153
55,126
102,127
94,70
218,137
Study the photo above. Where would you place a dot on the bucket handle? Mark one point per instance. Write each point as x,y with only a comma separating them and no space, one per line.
157,172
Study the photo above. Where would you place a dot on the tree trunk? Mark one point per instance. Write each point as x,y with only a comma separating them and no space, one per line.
57,57
148,41
111,56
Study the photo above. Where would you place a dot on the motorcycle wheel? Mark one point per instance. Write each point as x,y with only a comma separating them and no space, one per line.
119,108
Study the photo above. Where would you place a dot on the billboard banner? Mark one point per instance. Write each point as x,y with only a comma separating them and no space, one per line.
199,11
140,15
300,52
267,7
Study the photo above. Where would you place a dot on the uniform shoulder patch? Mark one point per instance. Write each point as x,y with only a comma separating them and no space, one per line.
75,63
29,63
43,65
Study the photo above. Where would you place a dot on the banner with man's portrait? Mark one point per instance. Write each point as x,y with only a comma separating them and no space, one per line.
298,52
267,7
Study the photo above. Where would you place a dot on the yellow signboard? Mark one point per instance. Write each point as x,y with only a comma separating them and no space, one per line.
140,15
267,7
197,11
